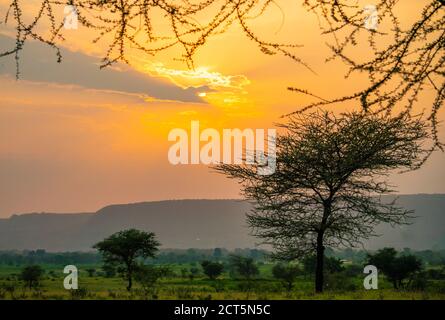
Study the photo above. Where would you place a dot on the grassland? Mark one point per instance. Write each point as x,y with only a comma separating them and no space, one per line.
200,288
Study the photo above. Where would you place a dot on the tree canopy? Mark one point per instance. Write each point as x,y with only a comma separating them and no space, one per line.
212,269
32,275
329,174
122,249
397,268
244,266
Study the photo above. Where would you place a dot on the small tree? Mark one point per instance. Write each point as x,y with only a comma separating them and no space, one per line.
123,248
147,276
184,272
212,269
287,274
32,275
325,189
396,268
91,272
245,267
193,273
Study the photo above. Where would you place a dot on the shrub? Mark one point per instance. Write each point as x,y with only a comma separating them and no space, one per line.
212,269
245,267
32,275
286,274
78,294
340,282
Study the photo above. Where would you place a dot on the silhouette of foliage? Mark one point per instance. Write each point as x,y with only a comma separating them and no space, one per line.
401,62
212,269
123,248
396,268
244,266
324,191
136,24
32,275
287,274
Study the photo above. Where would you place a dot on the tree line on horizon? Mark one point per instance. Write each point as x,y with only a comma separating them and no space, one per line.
125,253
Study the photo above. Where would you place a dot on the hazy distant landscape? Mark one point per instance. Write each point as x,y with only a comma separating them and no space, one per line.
201,224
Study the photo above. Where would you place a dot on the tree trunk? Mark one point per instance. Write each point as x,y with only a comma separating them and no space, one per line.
129,274
319,267
130,282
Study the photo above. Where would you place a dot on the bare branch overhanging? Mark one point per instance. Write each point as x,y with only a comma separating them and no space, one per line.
135,24
413,61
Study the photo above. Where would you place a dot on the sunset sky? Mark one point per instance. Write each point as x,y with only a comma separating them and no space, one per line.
74,138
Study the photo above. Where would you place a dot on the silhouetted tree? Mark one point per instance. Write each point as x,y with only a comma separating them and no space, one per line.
324,191
193,273
287,274
147,276
212,269
91,272
395,268
122,249
244,266
32,275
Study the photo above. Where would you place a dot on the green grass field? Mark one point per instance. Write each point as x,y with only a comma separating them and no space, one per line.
200,288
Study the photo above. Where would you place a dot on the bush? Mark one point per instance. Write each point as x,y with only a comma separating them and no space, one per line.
147,277
32,275
193,273
184,293
212,269
286,274
397,268
218,286
245,267
419,281
340,282
79,294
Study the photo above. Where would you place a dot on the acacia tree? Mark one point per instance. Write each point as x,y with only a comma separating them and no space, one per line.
212,269
325,187
244,266
32,275
396,268
122,249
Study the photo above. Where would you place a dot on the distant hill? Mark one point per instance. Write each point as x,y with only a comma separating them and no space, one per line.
196,224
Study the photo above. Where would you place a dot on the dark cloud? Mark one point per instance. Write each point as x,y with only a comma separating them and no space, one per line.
39,63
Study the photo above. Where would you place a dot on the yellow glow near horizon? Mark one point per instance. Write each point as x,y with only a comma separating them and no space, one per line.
94,147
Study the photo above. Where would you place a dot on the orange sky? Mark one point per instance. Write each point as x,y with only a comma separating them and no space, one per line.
76,145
